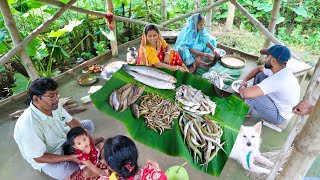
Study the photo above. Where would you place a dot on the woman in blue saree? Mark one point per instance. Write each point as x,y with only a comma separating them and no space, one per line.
195,44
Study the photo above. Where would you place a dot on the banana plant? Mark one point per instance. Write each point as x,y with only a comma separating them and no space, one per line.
47,72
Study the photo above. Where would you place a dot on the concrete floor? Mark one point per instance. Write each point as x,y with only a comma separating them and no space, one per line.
13,166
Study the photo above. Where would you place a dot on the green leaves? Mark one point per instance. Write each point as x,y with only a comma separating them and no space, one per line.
67,28
230,113
301,11
37,48
21,83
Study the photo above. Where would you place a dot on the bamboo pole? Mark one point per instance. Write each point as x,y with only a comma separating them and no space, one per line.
298,125
97,13
230,18
184,16
16,39
114,44
164,10
272,25
261,27
306,148
34,33
209,16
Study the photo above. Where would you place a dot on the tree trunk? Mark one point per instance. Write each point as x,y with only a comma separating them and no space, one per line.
305,149
114,46
34,33
272,26
16,39
184,16
298,125
230,18
164,10
260,26
196,4
209,16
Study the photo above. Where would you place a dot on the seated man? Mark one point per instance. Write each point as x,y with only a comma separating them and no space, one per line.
275,90
42,129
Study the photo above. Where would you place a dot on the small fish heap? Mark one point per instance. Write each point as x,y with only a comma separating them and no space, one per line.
193,100
217,79
202,135
125,96
159,113
151,76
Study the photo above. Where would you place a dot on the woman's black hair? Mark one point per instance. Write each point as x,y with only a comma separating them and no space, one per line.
151,27
68,148
200,17
40,86
120,151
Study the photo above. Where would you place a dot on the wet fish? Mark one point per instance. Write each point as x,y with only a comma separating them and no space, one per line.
149,71
113,101
151,81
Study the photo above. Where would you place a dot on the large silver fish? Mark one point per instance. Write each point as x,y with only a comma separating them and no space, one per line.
151,81
149,71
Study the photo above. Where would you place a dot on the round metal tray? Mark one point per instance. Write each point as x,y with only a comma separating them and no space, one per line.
233,62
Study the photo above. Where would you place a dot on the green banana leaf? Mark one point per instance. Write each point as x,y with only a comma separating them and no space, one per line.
230,113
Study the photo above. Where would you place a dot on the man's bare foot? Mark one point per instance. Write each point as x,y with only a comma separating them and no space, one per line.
98,140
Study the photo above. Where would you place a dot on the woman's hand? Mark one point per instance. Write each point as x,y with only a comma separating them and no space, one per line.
216,54
183,69
166,58
209,56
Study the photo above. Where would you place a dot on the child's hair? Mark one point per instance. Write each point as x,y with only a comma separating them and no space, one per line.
151,27
121,155
72,134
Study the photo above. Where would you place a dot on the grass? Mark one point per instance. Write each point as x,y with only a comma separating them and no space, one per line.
252,42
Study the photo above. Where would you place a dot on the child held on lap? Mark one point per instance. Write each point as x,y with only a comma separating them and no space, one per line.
121,155
79,142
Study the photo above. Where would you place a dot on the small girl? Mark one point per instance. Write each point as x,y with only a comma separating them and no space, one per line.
121,155
79,142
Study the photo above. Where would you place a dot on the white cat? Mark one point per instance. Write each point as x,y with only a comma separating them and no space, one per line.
246,149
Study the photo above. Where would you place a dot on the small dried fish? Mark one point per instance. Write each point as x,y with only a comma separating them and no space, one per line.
135,110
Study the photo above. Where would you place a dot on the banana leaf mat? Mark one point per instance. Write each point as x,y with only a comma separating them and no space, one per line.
219,68
230,113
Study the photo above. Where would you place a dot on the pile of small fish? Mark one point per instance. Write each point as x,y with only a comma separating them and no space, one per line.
125,96
151,76
159,113
193,100
202,135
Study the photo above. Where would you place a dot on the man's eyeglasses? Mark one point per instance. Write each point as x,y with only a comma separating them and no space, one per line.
53,96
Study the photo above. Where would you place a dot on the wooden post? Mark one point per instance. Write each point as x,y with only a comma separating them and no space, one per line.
114,44
260,26
298,125
306,148
230,18
34,33
209,16
15,36
164,10
272,26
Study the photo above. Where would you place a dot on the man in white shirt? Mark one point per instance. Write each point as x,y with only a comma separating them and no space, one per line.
275,89
42,129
